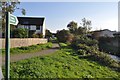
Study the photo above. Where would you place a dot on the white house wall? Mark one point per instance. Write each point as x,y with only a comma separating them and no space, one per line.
107,33
43,29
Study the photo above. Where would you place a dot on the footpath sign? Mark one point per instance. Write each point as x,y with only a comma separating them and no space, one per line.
10,19
13,20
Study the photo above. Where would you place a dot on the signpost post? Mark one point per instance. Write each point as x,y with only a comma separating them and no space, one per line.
10,19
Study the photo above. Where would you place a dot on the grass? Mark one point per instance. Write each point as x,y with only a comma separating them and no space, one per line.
61,64
29,49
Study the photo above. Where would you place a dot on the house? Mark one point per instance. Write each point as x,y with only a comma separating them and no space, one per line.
33,24
103,33
117,34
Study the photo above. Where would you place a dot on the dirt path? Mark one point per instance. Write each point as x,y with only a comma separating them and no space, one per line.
18,57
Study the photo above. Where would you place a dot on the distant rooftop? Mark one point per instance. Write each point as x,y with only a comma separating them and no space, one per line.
104,30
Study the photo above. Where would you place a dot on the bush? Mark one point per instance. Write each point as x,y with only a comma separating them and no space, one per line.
20,33
35,36
31,32
38,35
81,52
84,40
48,34
63,45
84,47
64,36
102,57
49,45
106,45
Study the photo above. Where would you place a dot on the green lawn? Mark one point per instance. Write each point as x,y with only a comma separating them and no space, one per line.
61,64
29,49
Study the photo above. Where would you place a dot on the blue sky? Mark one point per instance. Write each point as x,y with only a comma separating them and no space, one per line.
104,15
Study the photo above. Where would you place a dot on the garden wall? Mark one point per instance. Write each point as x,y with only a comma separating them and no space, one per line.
19,42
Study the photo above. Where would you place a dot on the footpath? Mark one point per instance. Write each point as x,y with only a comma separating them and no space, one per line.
18,57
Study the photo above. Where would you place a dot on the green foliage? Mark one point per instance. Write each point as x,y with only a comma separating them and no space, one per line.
29,49
72,26
38,35
53,40
81,30
63,45
10,7
104,58
89,47
35,36
60,64
31,33
81,52
20,33
64,36
48,34
106,45
84,28
84,47
84,40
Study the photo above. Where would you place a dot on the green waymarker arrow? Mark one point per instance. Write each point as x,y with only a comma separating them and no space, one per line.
13,20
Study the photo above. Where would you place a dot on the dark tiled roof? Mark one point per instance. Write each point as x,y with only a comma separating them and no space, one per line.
104,30
31,20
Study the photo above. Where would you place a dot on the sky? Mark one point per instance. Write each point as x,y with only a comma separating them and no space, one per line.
104,15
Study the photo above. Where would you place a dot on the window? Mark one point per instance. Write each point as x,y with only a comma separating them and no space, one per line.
37,27
27,26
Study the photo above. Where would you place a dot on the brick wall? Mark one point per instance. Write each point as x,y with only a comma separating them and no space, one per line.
19,42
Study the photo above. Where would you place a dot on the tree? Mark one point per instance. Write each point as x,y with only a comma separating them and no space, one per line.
72,26
9,7
86,24
64,36
81,30
48,34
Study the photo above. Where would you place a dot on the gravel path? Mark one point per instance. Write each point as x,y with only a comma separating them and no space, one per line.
18,57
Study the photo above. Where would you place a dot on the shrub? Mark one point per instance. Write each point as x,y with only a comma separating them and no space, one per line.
31,32
49,45
20,33
35,36
84,40
81,52
106,45
38,35
63,45
48,34
102,57
64,36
